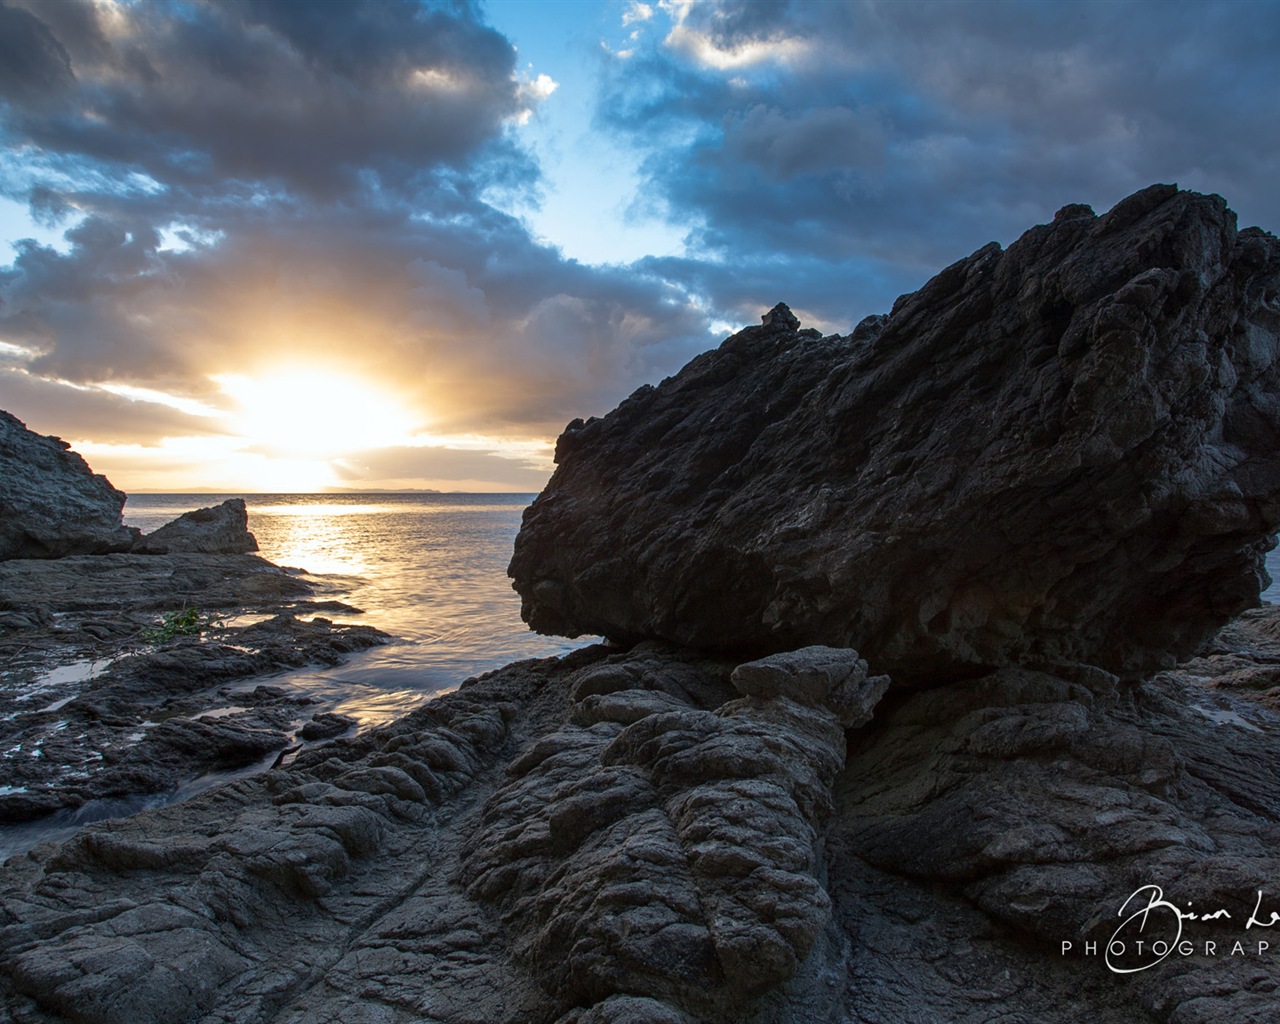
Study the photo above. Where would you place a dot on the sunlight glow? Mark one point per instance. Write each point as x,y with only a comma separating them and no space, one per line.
314,413
531,450
437,80
8,350
223,467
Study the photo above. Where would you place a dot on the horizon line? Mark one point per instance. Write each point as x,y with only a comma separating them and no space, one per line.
351,490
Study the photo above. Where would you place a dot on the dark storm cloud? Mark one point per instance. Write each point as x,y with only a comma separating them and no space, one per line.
812,141
900,137
33,63
323,98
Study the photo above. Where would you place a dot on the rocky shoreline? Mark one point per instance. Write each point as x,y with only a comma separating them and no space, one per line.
626,836
133,665
100,700
937,660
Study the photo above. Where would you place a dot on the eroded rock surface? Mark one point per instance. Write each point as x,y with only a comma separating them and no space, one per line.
222,530
1048,803
1068,451
616,838
663,848
604,838
51,503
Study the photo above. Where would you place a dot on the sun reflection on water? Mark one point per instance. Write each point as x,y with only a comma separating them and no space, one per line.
428,568
311,538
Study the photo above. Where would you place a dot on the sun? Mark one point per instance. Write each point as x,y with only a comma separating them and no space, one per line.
314,414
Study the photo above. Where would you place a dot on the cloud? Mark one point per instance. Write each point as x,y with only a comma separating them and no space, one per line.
247,188
469,320
444,468
735,35
854,149
33,64
250,187
86,411
815,140
636,13
324,99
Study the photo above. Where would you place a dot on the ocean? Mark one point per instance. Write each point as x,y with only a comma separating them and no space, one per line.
427,568
431,569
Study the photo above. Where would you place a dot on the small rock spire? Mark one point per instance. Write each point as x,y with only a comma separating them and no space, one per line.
782,317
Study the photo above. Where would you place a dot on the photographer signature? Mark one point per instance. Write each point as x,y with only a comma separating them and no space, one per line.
1164,917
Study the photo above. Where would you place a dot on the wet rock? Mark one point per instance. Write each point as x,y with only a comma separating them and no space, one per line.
154,718
1063,452
221,530
100,701
51,503
325,726
148,583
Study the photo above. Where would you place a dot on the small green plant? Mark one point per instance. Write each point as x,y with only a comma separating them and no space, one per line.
188,622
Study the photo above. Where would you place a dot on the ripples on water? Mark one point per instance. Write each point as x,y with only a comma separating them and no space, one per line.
429,568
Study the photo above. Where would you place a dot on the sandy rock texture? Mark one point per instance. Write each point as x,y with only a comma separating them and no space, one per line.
1061,452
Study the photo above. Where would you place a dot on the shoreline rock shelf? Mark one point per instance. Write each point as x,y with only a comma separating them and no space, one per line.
101,701
625,836
735,816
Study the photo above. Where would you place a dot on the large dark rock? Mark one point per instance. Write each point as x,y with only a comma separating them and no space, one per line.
1065,451
220,530
51,503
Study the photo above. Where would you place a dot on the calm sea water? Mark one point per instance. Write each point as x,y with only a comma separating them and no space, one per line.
428,568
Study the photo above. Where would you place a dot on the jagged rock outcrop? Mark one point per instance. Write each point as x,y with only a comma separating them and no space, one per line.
220,530
1068,451
51,503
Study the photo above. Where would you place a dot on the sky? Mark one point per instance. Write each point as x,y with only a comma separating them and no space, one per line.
290,246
